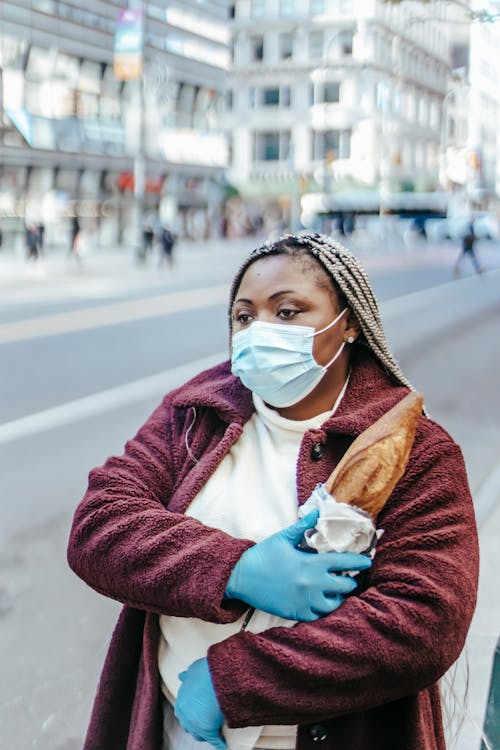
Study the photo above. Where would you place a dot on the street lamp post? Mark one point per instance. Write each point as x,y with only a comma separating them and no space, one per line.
321,79
139,158
129,64
443,141
383,161
295,205
140,176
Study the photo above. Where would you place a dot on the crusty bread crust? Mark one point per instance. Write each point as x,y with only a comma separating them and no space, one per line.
374,463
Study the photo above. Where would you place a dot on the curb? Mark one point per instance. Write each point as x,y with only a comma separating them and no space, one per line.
487,496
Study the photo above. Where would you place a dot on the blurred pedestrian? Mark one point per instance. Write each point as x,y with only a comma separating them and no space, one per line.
167,243
197,522
40,235
148,236
349,223
31,239
468,251
74,250
418,226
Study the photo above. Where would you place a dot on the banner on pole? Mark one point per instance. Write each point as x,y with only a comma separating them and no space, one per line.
129,45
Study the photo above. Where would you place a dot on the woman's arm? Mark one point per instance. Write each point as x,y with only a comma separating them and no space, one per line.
396,638
128,546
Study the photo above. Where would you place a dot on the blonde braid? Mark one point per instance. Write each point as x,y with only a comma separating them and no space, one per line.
348,276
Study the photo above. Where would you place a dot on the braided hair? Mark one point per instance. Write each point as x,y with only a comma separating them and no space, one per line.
349,280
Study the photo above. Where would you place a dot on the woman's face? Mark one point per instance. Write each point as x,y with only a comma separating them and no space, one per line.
286,290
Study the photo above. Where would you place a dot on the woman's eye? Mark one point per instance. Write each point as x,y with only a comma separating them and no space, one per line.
242,318
287,314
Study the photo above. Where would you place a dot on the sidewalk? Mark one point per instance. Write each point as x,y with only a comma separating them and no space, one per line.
483,634
105,271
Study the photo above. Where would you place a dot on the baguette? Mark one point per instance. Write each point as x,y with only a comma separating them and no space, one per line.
374,463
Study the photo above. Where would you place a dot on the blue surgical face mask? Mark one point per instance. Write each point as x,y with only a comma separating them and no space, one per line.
276,361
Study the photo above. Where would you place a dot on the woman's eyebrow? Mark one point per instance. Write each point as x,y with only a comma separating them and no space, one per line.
271,297
278,294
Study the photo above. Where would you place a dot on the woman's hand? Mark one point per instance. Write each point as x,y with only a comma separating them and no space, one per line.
197,707
277,578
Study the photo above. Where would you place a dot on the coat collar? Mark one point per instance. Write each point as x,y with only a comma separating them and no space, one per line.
370,393
218,389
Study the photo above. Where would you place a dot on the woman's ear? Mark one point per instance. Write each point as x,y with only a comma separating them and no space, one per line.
352,329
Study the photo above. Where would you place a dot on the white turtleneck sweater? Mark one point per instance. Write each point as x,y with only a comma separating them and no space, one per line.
251,495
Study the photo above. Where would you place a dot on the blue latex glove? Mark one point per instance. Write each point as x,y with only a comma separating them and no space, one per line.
197,707
277,578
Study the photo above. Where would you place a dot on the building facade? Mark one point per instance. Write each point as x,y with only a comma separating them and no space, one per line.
70,129
334,96
471,141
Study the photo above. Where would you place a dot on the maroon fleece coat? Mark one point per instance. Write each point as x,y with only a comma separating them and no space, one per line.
361,678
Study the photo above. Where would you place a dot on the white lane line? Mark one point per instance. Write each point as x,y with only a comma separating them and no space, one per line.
108,315
105,401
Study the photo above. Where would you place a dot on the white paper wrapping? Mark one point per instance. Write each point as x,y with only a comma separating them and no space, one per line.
340,527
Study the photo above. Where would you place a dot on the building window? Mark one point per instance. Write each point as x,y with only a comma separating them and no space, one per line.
272,146
316,7
422,111
268,147
346,43
286,7
316,45
285,46
397,106
382,96
257,47
331,144
257,8
252,97
331,92
271,97
327,92
434,114
275,97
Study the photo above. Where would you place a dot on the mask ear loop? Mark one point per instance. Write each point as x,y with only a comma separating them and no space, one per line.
322,330
341,349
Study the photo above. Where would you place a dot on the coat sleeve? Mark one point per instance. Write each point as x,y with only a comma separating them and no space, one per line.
396,637
125,544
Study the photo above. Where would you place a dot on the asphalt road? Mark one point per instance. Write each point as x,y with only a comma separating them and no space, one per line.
54,630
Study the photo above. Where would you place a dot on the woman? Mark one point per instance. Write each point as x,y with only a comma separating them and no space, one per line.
197,522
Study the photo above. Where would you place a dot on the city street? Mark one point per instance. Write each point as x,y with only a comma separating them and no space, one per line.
87,354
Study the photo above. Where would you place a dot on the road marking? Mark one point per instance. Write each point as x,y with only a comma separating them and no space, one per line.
109,315
105,401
